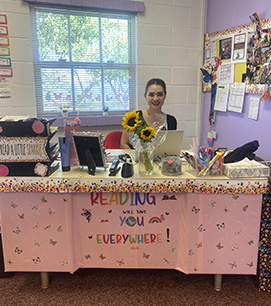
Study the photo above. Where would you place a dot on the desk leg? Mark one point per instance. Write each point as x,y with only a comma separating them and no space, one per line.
44,279
218,282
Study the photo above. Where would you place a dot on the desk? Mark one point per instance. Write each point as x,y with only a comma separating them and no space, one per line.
72,220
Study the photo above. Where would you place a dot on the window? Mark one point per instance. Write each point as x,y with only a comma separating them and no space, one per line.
83,61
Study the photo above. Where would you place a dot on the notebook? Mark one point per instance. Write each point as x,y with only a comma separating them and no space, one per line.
171,146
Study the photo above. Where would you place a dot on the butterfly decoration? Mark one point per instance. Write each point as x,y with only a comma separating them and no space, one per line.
120,262
102,256
17,250
43,199
47,227
234,248
221,226
34,207
36,243
64,262
190,252
87,214
90,237
13,205
212,204
17,231
226,210
21,216
219,246
211,261
195,210
233,265
245,208
235,197
37,260
36,226
165,260
146,255
64,200
238,233
250,242
87,256
110,211
201,228
199,245
162,217
52,242
167,213
173,249
60,229
207,76
250,264
134,248
51,212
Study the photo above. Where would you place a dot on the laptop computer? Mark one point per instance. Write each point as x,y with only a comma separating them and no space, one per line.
171,146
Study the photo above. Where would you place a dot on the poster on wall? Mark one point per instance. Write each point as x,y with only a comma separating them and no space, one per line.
225,48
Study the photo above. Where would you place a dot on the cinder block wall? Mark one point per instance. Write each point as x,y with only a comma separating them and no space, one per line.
170,40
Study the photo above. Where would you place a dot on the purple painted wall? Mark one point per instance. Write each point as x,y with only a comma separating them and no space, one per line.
233,129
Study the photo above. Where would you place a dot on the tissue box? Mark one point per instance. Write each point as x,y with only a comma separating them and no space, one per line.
245,168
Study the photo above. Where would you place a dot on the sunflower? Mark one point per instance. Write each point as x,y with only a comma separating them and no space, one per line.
131,121
147,133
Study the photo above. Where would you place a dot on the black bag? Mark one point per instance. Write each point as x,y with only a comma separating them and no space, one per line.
241,152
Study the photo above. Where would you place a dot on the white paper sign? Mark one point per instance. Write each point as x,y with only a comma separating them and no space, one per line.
23,149
253,108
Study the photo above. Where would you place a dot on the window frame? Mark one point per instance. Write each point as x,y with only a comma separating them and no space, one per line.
130,66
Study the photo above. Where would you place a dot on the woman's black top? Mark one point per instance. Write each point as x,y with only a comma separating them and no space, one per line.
171,121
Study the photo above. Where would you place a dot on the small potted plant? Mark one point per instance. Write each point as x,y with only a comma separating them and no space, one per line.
105,110
64,108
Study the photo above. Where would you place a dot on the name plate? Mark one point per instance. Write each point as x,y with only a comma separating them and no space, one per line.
23,149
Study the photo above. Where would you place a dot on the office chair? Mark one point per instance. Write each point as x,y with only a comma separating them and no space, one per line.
112,140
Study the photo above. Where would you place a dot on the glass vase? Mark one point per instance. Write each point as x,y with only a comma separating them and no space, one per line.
146,162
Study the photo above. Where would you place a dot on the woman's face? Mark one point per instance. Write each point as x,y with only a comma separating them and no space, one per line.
155,97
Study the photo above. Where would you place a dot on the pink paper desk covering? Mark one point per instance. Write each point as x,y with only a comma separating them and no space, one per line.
190,232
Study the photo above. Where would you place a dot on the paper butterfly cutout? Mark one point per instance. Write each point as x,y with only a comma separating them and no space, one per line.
219,246
199,245
195,210
146,255
37,260
233,265
17,231
17,250
245,208
250,264
43,199
51,212
60,229
34,207
102,256
221,226
87,256
13,205
250,242
207,76
87,214
21,216
47,227
53,242
120,262
167,197
201,229
190,252
165,259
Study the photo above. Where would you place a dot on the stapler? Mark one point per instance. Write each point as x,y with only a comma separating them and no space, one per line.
114,168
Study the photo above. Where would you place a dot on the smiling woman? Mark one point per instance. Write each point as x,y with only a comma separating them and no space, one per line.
153,116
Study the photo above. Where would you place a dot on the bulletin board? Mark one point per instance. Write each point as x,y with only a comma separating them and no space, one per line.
241,54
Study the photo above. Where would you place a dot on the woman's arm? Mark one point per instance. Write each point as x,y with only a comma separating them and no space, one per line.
124,142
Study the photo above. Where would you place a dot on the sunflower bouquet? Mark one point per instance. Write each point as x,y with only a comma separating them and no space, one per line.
143,138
